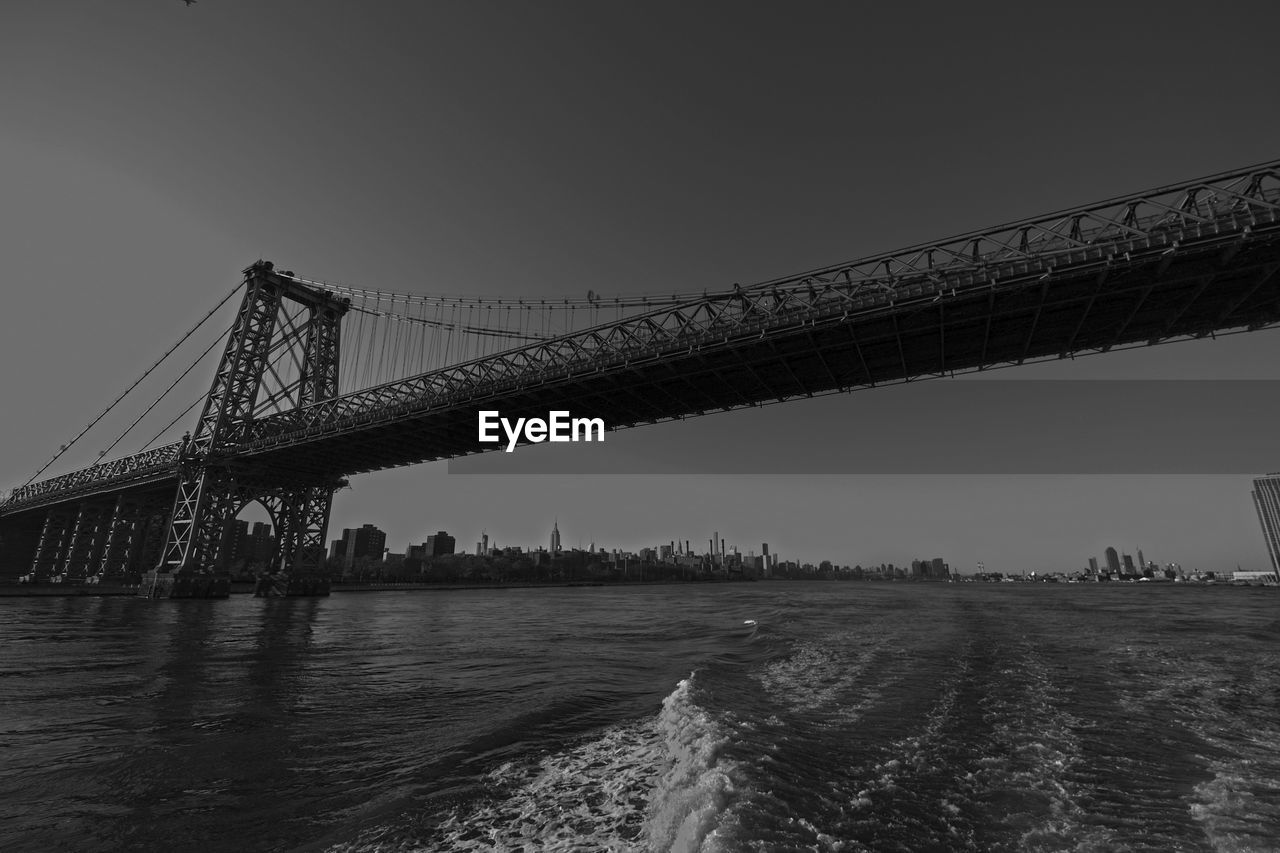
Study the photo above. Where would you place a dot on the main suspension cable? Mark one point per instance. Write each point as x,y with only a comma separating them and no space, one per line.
174,384
138,382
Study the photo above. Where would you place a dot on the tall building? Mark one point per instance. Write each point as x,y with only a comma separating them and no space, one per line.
358,543
439,544
1093,565
1113,561
260,545
555,537
1266,498
234,537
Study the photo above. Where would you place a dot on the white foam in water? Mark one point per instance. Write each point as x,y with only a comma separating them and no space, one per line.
827,676
659,784
1239,806
696,789
1234,804
1030,752
1038,760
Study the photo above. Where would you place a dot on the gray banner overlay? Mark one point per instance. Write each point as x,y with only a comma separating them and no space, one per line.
980,426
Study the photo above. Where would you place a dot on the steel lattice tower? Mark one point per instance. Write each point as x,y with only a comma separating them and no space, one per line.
213,487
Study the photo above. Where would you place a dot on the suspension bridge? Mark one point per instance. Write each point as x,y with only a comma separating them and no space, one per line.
317,382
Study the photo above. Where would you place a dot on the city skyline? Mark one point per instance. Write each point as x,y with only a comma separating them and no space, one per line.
1116,560
551,157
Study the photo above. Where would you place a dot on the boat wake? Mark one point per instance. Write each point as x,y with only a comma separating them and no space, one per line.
657,784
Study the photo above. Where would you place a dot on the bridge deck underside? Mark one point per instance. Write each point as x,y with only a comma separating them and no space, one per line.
153,487
1169,297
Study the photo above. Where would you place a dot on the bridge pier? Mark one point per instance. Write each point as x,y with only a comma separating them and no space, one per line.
158,584
302,520
282,584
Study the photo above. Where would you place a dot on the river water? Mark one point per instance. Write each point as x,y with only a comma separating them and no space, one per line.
849,716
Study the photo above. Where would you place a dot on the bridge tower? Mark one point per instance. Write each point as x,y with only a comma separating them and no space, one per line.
282,353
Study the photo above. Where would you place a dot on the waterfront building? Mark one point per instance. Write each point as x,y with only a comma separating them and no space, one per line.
1113,561
1266,499
439,544
358,543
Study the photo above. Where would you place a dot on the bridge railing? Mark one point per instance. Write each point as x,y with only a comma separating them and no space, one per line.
1116,232
1226,197
125,468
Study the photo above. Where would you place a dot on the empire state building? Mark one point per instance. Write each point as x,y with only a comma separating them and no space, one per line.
555,537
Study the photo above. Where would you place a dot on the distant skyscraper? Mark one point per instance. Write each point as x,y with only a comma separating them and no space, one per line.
1113,561
1093,565
555,537
1142,561
1266,498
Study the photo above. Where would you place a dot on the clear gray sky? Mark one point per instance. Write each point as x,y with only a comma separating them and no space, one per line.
150,150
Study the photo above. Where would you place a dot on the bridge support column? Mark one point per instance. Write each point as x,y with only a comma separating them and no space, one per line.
86,540
52,547
124,535
206,499
133,531
302,519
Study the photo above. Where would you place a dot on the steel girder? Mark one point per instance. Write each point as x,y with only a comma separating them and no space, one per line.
319,379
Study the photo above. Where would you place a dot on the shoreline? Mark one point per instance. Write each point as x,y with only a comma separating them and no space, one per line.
246,588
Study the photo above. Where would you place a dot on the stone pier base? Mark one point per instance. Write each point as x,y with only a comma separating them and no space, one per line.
169,585
283,584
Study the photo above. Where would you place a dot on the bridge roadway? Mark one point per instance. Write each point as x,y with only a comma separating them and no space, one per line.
1077,282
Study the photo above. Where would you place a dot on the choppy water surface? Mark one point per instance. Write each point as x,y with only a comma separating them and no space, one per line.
851,716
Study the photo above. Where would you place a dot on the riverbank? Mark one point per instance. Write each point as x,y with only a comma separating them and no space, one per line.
246,588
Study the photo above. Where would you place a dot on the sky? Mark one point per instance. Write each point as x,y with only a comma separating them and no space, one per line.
150,151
